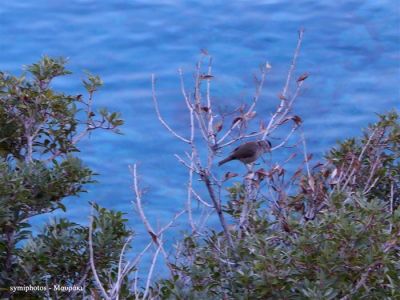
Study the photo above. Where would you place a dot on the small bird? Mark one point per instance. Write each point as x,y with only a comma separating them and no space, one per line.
248,152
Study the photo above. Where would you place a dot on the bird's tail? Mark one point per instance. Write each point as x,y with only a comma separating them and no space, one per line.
225,160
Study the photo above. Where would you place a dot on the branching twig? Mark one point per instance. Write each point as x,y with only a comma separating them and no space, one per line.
155,236
273,122
153,89
150,274
92,264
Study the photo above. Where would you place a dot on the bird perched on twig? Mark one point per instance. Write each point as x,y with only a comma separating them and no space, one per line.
248,152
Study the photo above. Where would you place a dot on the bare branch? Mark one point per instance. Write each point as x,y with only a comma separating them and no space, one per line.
201,199
284,95
92,265
140,255
293,65
198,107
209,112
150,274
122,271
285,140
155,236
234,125
305,155
153,89
182,161
259,86
217,205
189,194
138,204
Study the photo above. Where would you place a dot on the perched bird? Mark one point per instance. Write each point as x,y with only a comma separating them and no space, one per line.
248,152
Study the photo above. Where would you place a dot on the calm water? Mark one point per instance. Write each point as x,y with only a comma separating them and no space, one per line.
351,49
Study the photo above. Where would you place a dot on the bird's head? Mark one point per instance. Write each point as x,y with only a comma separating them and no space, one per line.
265,145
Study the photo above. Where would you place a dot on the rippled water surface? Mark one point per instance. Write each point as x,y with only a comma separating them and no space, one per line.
351,50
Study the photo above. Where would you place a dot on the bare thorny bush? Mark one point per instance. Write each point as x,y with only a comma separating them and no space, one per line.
215,132
212,132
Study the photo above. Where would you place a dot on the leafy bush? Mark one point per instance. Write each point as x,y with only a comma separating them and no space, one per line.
338,237
59,255
39,132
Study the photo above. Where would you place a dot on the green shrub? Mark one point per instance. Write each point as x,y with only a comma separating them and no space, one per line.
338,237
39,132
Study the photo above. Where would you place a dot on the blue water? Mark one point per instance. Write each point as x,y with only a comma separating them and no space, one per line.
351,50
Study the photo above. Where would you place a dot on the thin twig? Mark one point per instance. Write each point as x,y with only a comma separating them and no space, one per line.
285,140
155,236
293,65
201,199
272,123
305,155
153,90
122,272
182,161
138,204
91,257
150,274
259,86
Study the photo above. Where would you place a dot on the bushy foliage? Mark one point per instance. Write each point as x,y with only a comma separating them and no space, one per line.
338,237
59,255
39,132
377,172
